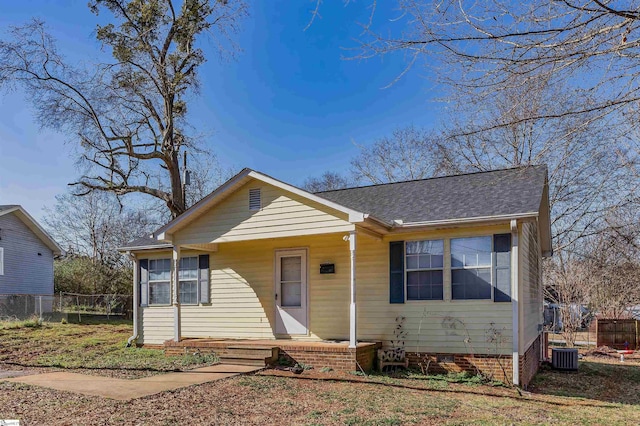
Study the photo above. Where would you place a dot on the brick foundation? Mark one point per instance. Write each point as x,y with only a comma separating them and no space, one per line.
496,367
338,358
530,362
492,366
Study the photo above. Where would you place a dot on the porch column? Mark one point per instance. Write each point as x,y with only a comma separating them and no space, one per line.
514,303
136,297
352,307
176,292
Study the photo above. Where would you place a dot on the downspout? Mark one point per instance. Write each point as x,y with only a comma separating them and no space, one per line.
176,294
136,297
514,303
353,340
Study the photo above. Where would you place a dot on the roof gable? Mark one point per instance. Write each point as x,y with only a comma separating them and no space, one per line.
32,225
239,181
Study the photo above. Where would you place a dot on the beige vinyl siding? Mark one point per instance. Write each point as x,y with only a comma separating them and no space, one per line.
531,291
283,214
157,325
454,326
242,292
242,297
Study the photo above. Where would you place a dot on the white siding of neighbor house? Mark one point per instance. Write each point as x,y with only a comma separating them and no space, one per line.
531,296
283,214
25,272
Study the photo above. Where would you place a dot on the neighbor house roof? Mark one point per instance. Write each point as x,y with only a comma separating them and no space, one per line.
507,192
32,225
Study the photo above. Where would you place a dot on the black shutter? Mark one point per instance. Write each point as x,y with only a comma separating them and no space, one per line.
203,277
502,268
396,272
143,274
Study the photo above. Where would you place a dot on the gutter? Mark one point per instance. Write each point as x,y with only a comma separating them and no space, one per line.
399,224
136,297
153,247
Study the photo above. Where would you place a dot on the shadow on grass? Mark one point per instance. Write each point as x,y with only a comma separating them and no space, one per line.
487,391
607,382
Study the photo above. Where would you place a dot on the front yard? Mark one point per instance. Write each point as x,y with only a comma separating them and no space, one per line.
600,393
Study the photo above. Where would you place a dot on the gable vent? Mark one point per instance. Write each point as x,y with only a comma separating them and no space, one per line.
255,200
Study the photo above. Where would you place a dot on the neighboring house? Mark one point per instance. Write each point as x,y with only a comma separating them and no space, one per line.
26,255
458,257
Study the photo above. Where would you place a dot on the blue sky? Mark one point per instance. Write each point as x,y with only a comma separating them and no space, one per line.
289,105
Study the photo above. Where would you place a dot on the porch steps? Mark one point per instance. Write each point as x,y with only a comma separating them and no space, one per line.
258,356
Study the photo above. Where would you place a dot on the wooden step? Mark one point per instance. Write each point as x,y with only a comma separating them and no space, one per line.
239,352
262,362
232,354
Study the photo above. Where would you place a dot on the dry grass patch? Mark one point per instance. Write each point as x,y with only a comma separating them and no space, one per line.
94,348
601,392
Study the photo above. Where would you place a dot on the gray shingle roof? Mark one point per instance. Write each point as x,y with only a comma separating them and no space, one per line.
494,193
146,242
8,207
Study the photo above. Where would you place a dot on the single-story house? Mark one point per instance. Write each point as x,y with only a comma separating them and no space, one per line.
448,268
26,261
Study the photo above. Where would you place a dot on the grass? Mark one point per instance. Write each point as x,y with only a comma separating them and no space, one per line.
87,346
600,392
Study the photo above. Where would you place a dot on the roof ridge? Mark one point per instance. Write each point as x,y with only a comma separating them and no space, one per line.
433,178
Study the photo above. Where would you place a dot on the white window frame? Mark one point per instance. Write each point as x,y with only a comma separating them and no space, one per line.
158,281
1,260
196,279
407,270
458,268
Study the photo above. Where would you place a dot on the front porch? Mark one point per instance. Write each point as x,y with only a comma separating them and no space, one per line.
318,354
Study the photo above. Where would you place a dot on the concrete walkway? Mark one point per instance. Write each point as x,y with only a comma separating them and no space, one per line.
125,390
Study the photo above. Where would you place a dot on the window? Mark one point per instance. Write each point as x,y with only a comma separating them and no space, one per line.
159,281
471,268
424,266
255,199
1,261
188,277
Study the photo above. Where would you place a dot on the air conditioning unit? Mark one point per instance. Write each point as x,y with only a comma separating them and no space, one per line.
564,358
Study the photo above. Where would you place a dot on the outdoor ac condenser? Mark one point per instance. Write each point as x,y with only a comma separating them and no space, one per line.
564,358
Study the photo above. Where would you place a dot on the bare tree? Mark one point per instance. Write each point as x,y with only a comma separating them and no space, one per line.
568,280
329,181
95,225
614,262
408,153
91,228
591,46
206,174
127,117
588,164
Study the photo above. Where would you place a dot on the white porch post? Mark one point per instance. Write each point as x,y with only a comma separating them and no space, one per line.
352,307
136,297
176,293
514,302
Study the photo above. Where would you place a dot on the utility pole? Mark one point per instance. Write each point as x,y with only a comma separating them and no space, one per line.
186,179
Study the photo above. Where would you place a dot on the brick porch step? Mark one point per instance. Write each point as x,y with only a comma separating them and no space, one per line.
249,355
262,362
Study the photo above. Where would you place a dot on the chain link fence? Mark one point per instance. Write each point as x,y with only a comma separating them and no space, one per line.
68,306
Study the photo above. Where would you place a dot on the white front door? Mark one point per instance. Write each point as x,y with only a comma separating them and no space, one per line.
291,291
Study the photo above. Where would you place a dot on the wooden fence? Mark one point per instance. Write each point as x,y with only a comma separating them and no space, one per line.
614,333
